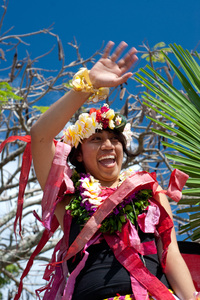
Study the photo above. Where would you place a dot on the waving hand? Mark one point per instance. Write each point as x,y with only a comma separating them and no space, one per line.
108,71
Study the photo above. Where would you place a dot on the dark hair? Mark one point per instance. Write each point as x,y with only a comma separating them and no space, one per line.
79,166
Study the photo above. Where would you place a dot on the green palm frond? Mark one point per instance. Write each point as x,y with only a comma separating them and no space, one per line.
181,112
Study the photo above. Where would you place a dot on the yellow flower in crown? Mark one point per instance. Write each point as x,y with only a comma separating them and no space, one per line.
71,135
84,127
109,114
87,124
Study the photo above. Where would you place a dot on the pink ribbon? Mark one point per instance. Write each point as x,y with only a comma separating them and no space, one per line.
25,169
130,259
176,183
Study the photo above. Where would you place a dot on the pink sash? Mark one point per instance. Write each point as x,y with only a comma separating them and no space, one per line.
134,183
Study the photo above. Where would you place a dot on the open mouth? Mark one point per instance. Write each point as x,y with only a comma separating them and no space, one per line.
107,161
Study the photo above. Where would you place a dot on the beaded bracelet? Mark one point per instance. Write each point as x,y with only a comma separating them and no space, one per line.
81,83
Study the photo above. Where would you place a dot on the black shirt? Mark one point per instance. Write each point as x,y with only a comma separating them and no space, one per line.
103,276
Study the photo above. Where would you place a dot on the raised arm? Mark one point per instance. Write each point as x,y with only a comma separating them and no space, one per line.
107,72
176,269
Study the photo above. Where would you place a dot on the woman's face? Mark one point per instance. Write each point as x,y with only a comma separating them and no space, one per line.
102,156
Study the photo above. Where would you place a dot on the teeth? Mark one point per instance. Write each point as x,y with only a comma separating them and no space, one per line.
107,157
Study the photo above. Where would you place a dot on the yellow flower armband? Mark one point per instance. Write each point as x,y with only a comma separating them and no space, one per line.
81,83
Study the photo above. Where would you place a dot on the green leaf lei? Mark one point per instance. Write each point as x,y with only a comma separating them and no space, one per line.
129,209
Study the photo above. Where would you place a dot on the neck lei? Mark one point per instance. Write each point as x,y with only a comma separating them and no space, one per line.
89,195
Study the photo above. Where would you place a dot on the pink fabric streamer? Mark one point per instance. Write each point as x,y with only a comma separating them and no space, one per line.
25,169
139,290
13,138
57,274
176,183
130,259
164,229
49,219
45,237
150,219
130,237
59,171
69,288
26,165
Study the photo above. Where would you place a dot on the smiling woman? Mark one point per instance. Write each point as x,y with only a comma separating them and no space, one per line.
119,240
102,156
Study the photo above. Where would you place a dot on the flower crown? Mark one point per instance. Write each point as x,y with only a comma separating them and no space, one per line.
102,118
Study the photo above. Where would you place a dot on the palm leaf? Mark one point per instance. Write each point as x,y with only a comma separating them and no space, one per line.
181,114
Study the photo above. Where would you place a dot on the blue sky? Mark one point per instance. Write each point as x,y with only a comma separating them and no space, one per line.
95,22
92,22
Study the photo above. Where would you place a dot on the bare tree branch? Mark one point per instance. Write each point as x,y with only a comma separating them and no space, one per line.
16,118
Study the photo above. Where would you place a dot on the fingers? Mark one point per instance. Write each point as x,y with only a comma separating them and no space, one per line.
116,54
124,63
107,49
122,79
128,57
118,51
128,60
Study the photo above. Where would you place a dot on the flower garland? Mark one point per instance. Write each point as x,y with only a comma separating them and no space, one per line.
81,82
102,118
89,196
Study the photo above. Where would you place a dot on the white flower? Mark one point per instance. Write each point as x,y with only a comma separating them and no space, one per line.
81,80
92,190
128,133
72,136
126,173
84,127
111,124
110,114
118,120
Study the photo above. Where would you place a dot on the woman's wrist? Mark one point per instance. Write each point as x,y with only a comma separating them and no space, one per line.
81,83
81,94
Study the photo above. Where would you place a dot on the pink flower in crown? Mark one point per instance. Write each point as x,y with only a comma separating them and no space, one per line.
104,109
104,116
104,119
86,125
105,123
107,115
